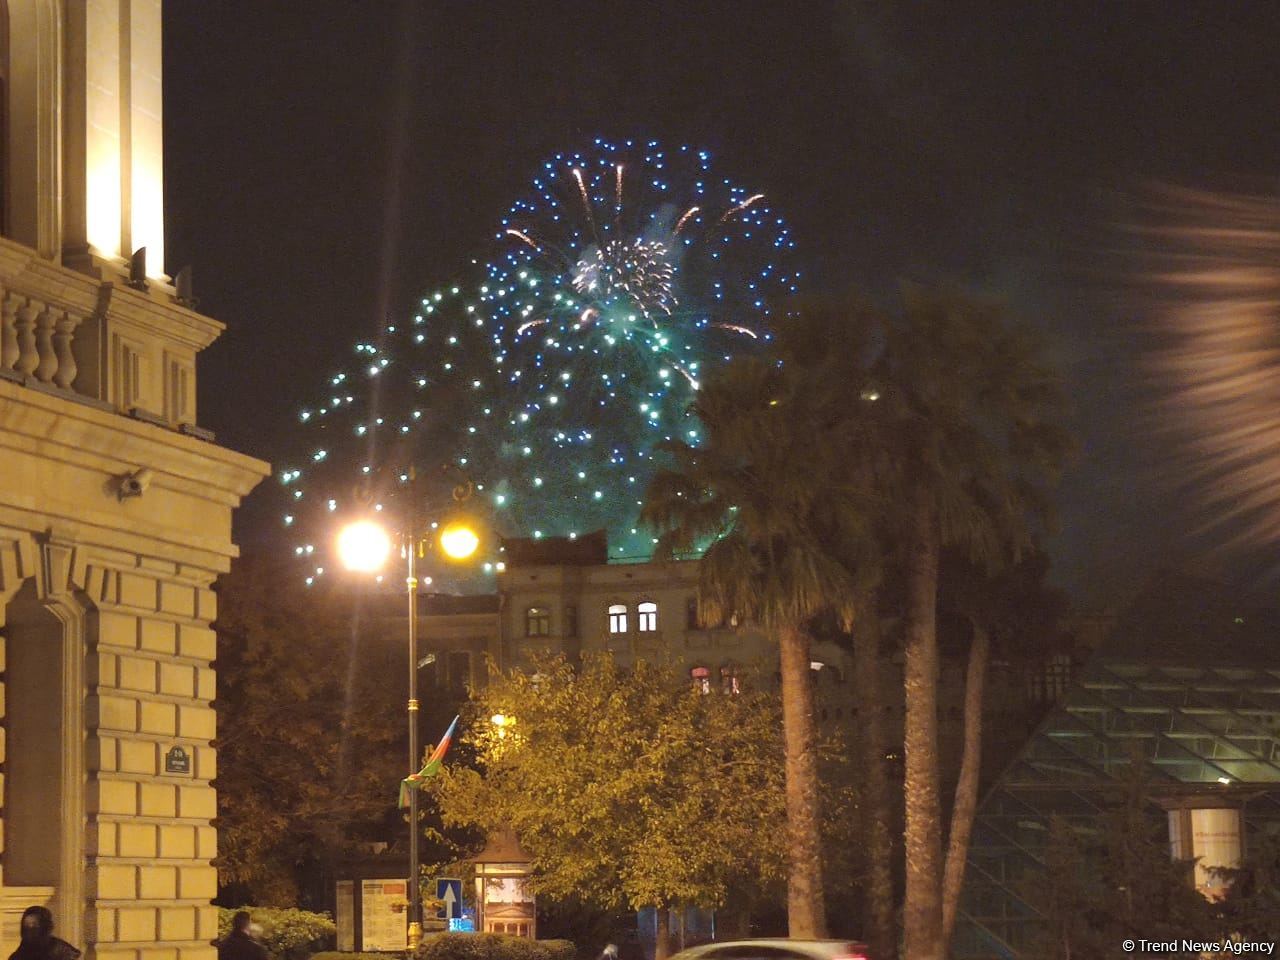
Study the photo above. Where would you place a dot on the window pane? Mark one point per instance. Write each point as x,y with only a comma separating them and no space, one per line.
618,618
537,622
647,616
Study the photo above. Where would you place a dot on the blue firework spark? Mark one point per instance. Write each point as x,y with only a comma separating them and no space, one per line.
625,276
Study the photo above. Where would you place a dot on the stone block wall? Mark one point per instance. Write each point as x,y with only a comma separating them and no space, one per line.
150,842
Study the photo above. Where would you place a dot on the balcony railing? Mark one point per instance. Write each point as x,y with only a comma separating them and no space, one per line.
110,344
36,341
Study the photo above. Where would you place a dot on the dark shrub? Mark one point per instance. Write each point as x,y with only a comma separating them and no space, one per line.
287,934
493,946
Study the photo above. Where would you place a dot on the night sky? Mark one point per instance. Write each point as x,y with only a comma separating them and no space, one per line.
328,164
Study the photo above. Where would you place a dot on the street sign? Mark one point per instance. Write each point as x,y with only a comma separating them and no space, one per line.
449,890
177,760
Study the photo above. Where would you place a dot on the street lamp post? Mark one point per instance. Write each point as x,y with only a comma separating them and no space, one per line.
415,885
364,547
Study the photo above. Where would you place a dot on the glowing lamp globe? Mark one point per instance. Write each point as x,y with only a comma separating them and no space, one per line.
458,541
364,547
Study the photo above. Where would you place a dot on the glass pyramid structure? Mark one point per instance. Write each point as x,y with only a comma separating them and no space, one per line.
1188,682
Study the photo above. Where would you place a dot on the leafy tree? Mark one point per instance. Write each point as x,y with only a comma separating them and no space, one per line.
1117,881
310,747
1251,907
629,788
287,934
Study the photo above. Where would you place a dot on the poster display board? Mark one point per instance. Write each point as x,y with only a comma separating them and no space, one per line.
383,915
345,916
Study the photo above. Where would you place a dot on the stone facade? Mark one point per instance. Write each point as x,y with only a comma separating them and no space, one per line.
557,595
115,507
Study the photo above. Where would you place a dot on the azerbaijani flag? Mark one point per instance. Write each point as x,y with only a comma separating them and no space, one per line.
429,769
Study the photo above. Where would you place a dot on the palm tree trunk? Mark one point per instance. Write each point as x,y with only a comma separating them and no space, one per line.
877,816
806,907
662,942
966,802
922,837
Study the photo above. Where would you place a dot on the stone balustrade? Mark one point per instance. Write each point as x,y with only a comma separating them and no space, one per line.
36,340
100,340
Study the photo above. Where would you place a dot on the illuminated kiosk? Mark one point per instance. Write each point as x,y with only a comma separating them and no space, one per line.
504,901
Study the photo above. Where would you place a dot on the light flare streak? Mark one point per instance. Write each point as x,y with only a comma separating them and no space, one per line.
744,205
683,220
586,202
1212,271
738,328
524,238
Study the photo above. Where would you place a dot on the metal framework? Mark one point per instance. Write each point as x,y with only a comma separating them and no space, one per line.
1210,730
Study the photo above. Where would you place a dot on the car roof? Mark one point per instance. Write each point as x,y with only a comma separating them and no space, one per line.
786,943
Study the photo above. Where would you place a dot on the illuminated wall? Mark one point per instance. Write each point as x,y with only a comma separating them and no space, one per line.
84,161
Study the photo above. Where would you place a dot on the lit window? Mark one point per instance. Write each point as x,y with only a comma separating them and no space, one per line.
1049,683
537,622
729,680
617,618
701,679
1058,675
647,616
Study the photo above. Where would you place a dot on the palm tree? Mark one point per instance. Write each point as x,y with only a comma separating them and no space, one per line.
974,444
877,819
1015,614
759,494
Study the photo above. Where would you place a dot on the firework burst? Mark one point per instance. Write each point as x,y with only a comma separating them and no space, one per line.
626,275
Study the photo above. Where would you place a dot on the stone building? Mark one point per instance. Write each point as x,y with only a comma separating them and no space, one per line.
563,596
115,507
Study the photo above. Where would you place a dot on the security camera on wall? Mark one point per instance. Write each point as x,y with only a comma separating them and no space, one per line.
136,484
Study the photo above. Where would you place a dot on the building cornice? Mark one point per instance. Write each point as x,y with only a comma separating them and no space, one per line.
90,450
154,311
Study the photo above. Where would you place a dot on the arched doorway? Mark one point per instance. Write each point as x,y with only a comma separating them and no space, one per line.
43,755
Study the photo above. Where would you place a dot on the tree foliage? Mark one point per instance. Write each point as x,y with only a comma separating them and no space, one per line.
629,788
309,744
1251,907
1113,880
492,946
287,934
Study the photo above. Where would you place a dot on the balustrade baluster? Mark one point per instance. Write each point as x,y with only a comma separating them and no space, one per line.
28,354
66,328
48,364
8,331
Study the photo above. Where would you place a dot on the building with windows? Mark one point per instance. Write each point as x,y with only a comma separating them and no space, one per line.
115,506
563,596
1188,684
